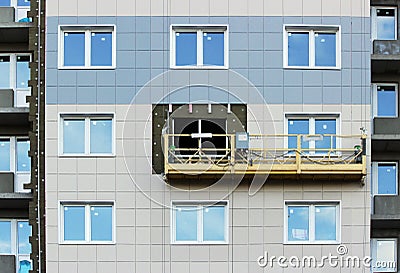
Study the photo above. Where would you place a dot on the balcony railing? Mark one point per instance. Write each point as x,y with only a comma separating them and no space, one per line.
282,155
386,47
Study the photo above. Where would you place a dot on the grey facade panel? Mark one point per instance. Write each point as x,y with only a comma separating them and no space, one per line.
7,263
256,52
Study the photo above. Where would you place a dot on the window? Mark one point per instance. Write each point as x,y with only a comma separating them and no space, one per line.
316,222
384,23
21,8
86,47
318,133
14,240
312,47
385,100
384,178
88,223
87,135
200,222
15,72
384,255
199,47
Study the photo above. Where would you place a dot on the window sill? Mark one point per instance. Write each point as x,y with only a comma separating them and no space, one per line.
87,67
199,243
312,243
200,67
87,243
312,67
87,156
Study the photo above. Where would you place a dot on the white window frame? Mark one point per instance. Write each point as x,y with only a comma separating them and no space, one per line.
375,181
374,29
87,29
312,29
87,205
375,99
14,242
199,205
87,117
13,78
200,29
311,205
311,126
374,265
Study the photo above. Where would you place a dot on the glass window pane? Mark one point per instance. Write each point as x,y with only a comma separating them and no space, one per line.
23,159
387,101
386,254
4,155
325,127
101,223
213,48
298,223
387,179
5,237
186,48
24,231
74,136
101,49
5,3
101,136
325,223
24,266
296,127
23,72
5,72
74,48
298,49
325,49
385,24
24,3
186,223
74,223
214,223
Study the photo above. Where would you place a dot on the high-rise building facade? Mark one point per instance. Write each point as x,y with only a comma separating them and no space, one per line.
208,136
21,86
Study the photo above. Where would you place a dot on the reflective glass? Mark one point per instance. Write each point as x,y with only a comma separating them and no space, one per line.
23,159
5,72
74,223
325,223
4,155
385,24
213,48
298,126
5,237
5,3
23,71
101,49
214,223
186,48
24,231
325,49
298,49
387,179
385,252
101,136
74,48
24,3
186,223
325,127
74,136
387,101
298,223
101,223
24,266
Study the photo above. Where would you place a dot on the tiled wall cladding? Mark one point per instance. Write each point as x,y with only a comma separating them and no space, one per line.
255,52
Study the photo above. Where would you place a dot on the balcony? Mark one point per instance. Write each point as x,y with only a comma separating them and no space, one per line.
384,51
246,154
7,263
386,211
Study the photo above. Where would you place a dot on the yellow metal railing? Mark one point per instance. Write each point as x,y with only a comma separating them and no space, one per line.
325,152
